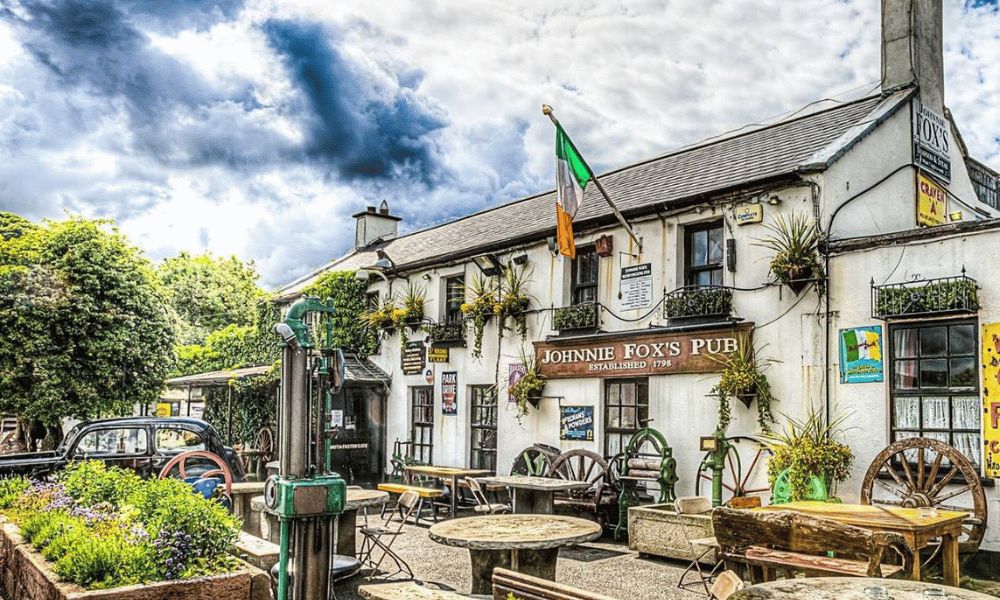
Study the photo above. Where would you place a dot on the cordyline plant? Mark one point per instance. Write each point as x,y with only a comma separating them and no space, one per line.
795,242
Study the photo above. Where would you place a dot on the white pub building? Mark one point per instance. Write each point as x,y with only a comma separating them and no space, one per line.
626,337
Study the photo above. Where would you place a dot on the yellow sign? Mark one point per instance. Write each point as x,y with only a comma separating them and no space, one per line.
163,409
991,400
748,213
435,354
932,203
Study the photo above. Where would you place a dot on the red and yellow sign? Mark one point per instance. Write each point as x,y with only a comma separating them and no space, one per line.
991,400
932,202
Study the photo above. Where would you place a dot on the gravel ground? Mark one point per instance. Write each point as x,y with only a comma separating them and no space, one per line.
602,566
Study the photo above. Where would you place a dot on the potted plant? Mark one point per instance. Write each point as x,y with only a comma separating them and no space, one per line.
528,390
514,300
742,378
412,307
795,242
480,306
381,318
807,460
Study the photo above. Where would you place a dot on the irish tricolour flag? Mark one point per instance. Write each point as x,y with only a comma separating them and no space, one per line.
572,176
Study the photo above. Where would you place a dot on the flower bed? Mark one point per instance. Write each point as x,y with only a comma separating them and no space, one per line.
100,527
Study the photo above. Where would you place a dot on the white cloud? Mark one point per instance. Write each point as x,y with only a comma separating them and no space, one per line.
225,164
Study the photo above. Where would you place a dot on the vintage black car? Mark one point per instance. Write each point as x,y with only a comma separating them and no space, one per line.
142,444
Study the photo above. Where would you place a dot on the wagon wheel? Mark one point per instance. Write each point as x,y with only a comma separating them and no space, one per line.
263,446
745,459
579,465
920,482
534,460
180,461
615,472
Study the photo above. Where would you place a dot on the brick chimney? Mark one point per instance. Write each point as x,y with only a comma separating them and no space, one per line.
372,225
912,50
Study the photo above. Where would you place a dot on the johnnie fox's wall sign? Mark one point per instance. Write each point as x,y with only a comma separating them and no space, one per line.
639,354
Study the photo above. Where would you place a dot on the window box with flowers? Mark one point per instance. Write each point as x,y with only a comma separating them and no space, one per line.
451,334
946,295
381,318
576,317
697,301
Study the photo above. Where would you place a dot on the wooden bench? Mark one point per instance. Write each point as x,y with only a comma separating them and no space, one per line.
585,465
769,541
527,587
425,493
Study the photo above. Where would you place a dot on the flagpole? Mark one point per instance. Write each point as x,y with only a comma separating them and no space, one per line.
547,111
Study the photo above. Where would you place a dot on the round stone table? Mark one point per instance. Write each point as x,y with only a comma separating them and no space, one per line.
850,588
525,543
535,495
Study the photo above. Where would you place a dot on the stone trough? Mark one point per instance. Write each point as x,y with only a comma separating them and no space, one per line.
657,529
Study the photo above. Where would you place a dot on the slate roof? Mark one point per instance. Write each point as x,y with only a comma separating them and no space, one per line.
805,143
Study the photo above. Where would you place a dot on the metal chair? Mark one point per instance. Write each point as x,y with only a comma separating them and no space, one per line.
482,504
700,547
381,537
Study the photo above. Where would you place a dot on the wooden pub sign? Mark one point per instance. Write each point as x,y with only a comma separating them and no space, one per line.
640,354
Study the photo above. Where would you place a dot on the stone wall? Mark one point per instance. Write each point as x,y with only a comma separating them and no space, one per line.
25,575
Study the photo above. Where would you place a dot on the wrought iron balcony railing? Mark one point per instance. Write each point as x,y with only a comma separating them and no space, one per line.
578,316
945,295
697,301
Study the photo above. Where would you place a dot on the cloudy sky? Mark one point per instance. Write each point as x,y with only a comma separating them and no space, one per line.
257,127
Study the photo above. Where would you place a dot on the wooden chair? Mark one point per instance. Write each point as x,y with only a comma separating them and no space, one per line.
483,505
726,584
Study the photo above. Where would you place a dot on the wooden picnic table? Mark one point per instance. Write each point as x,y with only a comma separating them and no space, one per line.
525,543
452,474
535,495
837,588
918,530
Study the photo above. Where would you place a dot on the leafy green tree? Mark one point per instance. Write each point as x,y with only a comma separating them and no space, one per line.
348,294
209,293
83,330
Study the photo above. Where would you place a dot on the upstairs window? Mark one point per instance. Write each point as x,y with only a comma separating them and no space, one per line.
585,275
454,293
703,254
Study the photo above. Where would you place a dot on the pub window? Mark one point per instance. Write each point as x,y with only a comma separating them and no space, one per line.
585,275
703,254
626,410
483,420
371,301
935,384
454,294
422,423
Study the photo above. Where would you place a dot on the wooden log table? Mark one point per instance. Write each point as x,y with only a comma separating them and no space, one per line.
535,495
452,474
837,588
525,543
917,529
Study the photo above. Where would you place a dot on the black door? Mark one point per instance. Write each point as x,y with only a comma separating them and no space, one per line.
357,435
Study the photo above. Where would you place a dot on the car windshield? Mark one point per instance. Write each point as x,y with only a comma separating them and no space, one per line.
61,449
